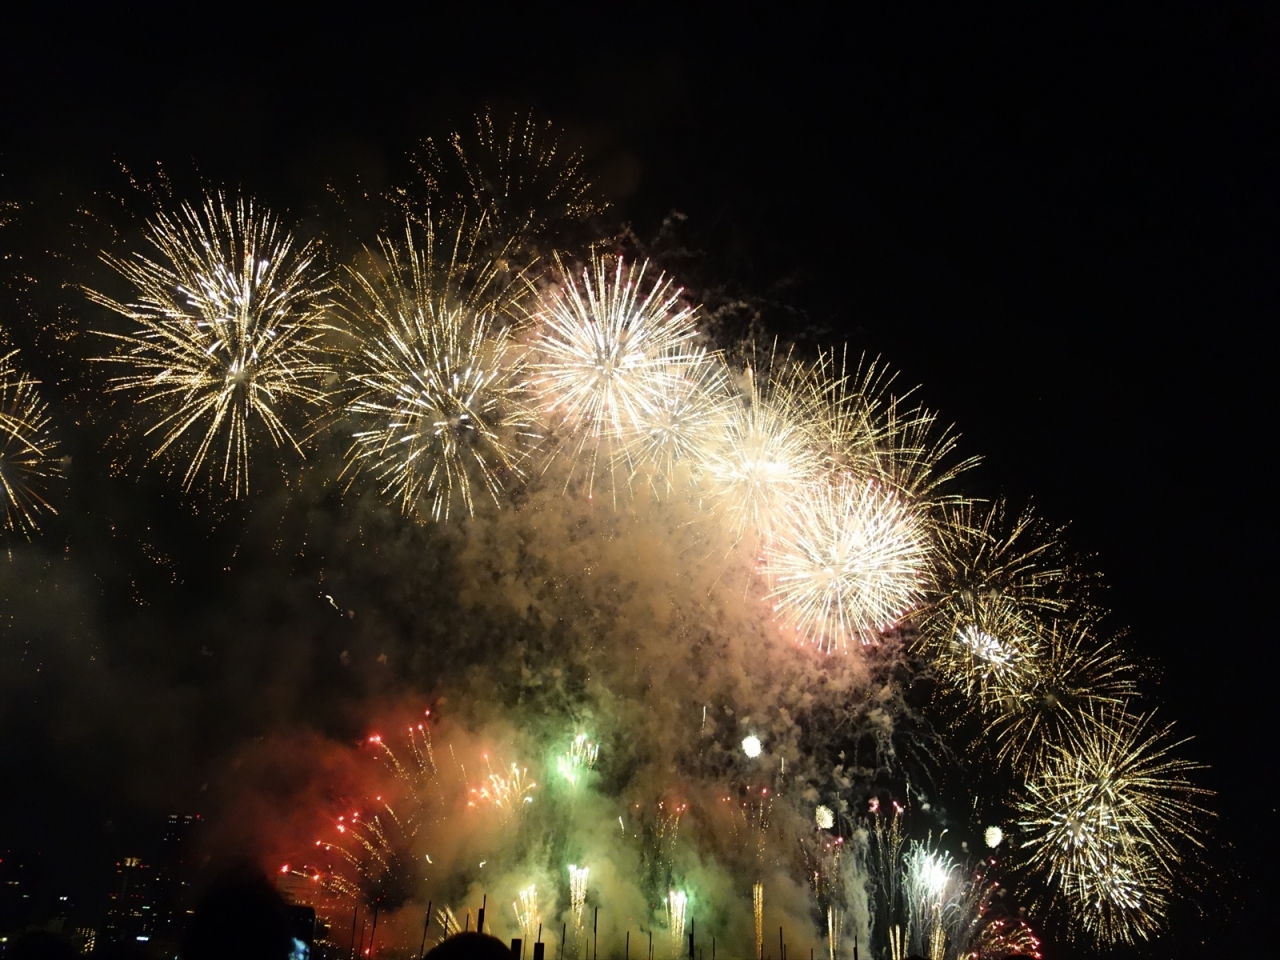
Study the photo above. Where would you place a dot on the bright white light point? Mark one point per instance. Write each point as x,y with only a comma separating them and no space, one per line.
824,818
993,836
936,875
751,746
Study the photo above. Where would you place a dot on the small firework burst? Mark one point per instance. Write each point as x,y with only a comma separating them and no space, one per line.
610,351
991,653
763,457
1105,821
689,410
442,417
847,562
517,177
29,461
227,337
578,759
508,791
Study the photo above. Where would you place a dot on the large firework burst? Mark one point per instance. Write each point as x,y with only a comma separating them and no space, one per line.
1106,819
29,460
1066,678
609,352
228,316
847,561
437,383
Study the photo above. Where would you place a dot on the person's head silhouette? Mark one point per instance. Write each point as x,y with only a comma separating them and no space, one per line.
241,915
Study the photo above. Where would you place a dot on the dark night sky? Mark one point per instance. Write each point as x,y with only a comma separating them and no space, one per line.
1062,223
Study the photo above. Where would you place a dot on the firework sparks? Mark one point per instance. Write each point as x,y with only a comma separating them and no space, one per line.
29,459
847,562
527,913
929,883
1069,678
436,377
508,792
519,179
757,908
610,353
689,409
227,338
379,860
1104,821
677,908
763,454
580,758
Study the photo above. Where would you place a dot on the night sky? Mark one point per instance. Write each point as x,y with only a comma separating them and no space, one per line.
1062,223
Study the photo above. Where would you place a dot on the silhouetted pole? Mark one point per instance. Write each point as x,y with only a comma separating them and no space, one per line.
782,950
627,954
422,951
480,916
650,945
563,929
595,932
354,915
693,926
517,948
374,932
539,948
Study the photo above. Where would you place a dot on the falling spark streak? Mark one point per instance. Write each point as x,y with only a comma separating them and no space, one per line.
228,335
677,906
848,561
29,459
437,383
757,907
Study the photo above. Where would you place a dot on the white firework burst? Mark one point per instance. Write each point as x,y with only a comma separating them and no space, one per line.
228,323
847,562
762,458
436,377
29,460
610,352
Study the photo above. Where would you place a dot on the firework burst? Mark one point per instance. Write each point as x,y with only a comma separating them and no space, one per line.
1052,694
435,377
1105,821
690,409
29,460
847,562
610,354
763,455
227,336
518,178
376,849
